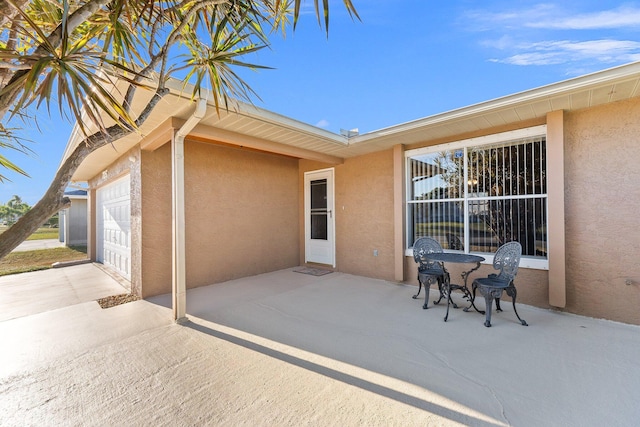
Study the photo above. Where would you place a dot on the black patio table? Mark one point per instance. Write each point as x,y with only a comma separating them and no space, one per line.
448,287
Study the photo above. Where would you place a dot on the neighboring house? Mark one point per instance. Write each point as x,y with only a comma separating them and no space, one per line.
72,221
199,197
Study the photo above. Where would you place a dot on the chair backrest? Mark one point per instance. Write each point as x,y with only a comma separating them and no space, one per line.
507,260
422,246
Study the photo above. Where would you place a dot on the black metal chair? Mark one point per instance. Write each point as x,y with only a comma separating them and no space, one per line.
506,260
428,272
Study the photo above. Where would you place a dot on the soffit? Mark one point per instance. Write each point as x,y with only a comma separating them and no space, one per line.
99,160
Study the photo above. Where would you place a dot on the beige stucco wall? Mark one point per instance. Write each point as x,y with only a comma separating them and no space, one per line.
242,220
363,214
602,198
155,244
241,215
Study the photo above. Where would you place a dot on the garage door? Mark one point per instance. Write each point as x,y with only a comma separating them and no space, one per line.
113,240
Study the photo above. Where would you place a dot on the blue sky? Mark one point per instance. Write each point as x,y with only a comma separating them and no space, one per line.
405,60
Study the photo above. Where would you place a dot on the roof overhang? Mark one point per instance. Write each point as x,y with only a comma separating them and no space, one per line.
615,84
241,124
252,127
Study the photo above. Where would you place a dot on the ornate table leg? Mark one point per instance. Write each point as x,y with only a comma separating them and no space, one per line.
446,287
470,296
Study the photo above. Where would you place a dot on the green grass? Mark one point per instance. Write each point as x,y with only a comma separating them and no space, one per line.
44,233
40,234
22,262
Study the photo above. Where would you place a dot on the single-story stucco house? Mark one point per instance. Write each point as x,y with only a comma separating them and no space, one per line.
72,221
200,197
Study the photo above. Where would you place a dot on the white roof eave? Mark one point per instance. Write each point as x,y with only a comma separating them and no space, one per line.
564,88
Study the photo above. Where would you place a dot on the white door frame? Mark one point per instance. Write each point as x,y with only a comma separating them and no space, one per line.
323,250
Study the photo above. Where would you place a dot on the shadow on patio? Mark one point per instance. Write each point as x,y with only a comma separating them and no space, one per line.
370,334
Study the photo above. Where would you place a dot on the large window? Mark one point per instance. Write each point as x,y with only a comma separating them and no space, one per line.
477,194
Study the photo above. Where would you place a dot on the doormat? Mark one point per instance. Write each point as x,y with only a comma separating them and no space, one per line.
114,300
312,271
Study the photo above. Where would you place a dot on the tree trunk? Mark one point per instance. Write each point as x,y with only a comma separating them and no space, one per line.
52,201
28,223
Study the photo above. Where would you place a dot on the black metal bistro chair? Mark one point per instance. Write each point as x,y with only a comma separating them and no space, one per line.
428,272
506,260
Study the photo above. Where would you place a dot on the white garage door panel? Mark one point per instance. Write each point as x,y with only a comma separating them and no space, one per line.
114,226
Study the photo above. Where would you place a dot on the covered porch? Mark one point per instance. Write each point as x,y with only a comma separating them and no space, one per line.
286,348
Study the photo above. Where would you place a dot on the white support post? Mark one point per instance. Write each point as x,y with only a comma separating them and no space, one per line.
178,268
179,285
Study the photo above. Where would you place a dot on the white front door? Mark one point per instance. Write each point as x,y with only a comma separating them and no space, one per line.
113,237
319,214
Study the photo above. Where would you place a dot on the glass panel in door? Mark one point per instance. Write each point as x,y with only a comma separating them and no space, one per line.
318,211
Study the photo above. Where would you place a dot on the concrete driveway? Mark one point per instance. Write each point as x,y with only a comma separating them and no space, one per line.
32,245
39,291
286,348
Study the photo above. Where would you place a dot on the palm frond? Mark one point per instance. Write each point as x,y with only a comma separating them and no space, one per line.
212,64
324,12
9,140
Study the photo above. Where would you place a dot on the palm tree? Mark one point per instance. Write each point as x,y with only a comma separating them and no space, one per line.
72,52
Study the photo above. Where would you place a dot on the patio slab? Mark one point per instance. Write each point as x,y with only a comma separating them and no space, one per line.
290,349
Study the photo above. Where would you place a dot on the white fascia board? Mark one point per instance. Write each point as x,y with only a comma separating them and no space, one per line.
286,122
257,113
72,143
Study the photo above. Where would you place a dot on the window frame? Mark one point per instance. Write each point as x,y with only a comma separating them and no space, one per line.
496,138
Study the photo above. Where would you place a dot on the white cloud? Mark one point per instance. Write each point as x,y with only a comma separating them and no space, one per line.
621,17
535,36
531,58
322,124
559,52
550,16
486,20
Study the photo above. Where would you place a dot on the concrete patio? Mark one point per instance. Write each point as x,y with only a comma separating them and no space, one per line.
33,245
286,348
